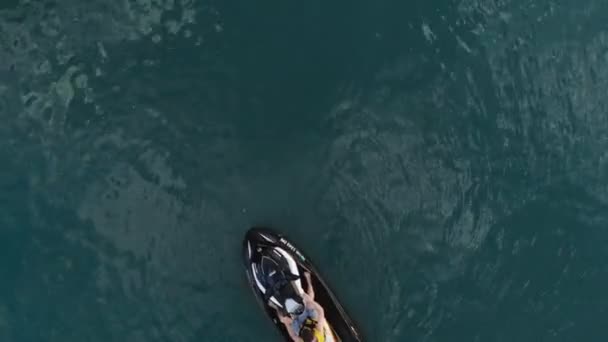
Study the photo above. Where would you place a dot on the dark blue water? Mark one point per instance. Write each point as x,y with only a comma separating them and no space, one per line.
444,163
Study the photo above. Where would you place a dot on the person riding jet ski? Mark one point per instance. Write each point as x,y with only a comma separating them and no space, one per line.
305,322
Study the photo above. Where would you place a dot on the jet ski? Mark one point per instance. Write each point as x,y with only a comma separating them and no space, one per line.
276,271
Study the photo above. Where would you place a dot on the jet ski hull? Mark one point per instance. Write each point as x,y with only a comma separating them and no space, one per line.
257,243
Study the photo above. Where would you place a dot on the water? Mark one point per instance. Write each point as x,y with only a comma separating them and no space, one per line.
445,165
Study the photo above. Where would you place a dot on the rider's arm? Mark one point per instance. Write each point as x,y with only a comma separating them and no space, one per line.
310,290
310,303
292,334
287,323
320,311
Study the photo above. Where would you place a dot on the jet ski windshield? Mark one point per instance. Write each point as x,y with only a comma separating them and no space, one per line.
277,279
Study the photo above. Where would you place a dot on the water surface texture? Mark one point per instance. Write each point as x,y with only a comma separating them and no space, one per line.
445,163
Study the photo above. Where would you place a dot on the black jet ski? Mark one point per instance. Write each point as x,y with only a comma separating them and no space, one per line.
275,271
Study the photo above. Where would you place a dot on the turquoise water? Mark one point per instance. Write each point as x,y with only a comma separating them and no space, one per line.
444,163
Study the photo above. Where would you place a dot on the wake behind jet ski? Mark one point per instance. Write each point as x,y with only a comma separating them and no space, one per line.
289,289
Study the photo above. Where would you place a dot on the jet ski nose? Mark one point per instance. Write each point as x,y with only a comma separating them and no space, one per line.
257,237
261,235
259,231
